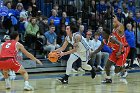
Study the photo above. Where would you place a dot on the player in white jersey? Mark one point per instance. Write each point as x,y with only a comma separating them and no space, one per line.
80,50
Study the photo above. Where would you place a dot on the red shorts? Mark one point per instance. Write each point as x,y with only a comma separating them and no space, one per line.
121,60
10,64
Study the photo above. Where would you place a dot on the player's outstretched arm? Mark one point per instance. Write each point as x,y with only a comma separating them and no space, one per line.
113,39
97,50
29,55
65,44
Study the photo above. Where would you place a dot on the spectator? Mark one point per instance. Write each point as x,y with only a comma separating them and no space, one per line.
22,24
129,19
31,31
131,6
34,8
92,7
51,22
79,22
123,6
56,8
51,39
115,5
125,12
19,9
64,20
29,11
81,30
136,18
97,58
130,37
43,26
88,41
10,21
101,7
120,15
55,18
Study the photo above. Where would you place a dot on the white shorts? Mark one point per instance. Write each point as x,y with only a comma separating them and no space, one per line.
83,55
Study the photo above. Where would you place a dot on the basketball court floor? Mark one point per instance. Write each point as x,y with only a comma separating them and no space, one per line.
78,83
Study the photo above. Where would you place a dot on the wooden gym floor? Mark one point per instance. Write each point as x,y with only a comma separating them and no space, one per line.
78,83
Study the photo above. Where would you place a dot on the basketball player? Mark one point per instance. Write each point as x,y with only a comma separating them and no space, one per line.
80,50
119,53
8,61
119,33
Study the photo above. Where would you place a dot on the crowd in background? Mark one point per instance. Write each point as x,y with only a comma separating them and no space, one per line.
89,17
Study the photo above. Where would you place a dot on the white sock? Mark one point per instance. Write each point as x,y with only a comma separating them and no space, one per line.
108,77
7,80
26,83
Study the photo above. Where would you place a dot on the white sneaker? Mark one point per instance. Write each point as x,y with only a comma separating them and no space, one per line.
73,70
125,74
28,88
80,69
85,66
8,85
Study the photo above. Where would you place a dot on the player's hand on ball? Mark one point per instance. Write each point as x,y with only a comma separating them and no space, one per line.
61,54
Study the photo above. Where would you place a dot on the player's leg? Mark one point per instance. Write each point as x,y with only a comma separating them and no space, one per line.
122,70
120,65
7,80
107,69
85,58
25,75
71,60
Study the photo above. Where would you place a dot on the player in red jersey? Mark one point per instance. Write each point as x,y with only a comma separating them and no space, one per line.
119,33
8,60
118,55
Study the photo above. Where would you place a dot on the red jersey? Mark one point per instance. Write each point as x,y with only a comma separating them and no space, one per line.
113,46
8,49
122,39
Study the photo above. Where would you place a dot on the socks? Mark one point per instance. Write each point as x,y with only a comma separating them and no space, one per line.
7,80
108,77
26,83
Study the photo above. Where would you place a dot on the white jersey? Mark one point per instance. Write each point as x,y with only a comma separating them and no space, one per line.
82,45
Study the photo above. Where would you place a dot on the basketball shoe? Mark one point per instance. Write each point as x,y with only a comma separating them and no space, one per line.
64,80
8,83
28,87
107,80
93,73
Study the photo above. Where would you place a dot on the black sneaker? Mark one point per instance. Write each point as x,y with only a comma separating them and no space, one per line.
93,73
63,81
107,81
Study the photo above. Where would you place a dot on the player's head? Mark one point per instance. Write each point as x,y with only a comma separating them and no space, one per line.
105,33
115,21
52,28
14,35
71,29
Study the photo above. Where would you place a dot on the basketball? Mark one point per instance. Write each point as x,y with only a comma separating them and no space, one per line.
53,56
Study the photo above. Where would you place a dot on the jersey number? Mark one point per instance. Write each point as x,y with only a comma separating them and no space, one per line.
7,45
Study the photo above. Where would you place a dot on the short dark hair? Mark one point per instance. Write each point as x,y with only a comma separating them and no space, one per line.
51,26
13,35
73,28
97,33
